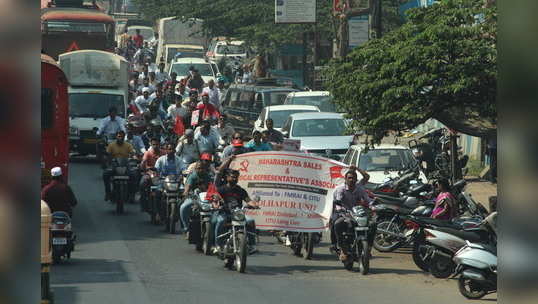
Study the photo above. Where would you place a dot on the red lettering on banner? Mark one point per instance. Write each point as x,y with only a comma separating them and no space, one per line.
310,165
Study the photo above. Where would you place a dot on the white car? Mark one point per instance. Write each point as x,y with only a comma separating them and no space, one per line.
320,99
208,70
320,133
219,49
279,114
382,161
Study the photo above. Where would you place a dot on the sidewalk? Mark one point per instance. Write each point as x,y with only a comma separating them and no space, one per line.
481,191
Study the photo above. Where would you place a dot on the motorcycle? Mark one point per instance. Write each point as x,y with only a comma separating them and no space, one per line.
438,245
200,232
63,238
297,241
100,149
120,183
235,249
356,238
477,270
154,197
171,193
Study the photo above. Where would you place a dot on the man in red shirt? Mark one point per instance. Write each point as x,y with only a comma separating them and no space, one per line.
138,39
57,194
148,164
207,110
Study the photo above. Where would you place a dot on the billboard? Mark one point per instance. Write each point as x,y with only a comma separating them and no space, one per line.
295,11
359,30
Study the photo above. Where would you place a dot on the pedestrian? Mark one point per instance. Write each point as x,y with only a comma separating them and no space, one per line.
57,194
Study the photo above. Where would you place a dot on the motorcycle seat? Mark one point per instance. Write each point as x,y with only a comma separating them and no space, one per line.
437,222
385,199
471,236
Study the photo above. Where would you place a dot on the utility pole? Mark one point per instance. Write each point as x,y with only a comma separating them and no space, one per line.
377,16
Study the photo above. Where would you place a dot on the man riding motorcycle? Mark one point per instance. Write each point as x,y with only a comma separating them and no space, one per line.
108,127
200,176
232,196
168,164
345,197
148,163
117,149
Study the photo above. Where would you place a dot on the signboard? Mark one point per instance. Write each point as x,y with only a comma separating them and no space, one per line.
359,30
293,145
295,11
295,189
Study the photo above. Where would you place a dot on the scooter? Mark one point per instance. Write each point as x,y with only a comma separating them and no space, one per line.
62,236
477,270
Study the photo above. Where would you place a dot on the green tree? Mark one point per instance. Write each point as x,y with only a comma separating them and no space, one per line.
440,64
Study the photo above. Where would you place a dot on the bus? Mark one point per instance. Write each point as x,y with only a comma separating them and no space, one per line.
65,29
54,119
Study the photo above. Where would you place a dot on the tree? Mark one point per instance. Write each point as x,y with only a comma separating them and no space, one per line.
249,20
442,60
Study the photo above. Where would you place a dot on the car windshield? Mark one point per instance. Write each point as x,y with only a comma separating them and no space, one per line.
279,117
183,53
94,105
146,33
183,68
318,127
324,103
230,49
275,98
386,159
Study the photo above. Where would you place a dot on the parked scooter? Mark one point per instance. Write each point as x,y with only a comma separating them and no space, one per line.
63,238
441,243
363,224
477,270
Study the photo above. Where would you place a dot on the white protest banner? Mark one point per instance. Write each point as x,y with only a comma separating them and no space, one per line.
296,189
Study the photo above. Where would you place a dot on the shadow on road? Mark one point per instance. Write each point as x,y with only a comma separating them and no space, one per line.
289,270
65,294
377,270
85,271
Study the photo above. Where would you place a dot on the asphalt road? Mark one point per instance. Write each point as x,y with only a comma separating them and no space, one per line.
125,259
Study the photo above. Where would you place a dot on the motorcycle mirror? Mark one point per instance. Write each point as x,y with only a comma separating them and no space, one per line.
256,198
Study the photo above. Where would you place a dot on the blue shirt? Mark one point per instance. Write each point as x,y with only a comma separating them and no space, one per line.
168,166
261,147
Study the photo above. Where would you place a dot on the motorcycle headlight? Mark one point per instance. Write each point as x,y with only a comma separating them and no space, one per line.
121,170
361,220
171,186
238,215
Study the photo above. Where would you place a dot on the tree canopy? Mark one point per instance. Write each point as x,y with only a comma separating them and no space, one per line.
440,64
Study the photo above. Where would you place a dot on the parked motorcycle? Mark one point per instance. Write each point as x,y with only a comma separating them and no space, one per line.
120,183
62,236
477,270
363,223
235,249
171,194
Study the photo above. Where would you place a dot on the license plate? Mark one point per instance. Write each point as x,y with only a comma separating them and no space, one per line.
121,177
59,241
90,140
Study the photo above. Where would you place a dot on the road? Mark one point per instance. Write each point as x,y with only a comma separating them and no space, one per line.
125,259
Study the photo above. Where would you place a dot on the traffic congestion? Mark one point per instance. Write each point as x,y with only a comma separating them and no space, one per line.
153,124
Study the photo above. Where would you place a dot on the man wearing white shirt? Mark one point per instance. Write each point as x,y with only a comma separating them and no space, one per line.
143,100
111,124
177,109
146,84
213,92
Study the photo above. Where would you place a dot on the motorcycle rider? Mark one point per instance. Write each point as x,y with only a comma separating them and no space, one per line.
214,94
274,136
148,163
117,149
143,100
345,197
135,140
111,124
57,194
236,147
224,130
187,149
200,176
207,141
256,143
207,110
232,196
168,164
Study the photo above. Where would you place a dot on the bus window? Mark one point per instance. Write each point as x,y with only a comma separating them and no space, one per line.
47,108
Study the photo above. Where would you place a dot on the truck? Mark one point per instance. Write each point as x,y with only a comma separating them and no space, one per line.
98,80
176,31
